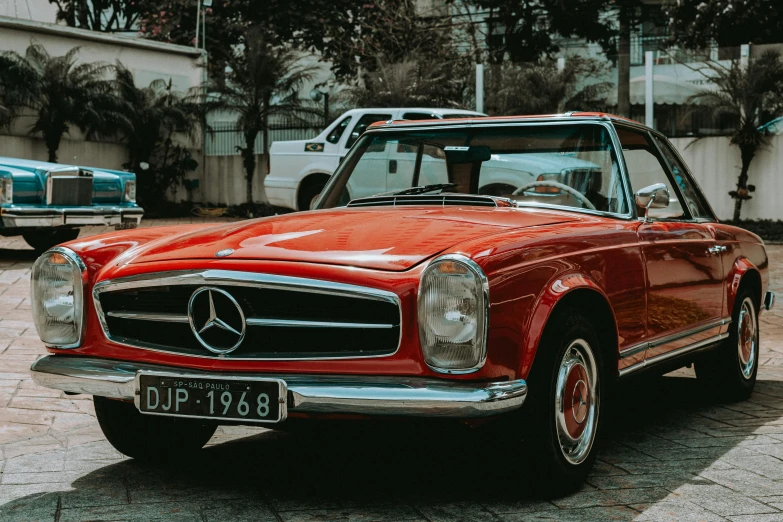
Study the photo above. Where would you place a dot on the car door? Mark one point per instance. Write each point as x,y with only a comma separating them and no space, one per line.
682,258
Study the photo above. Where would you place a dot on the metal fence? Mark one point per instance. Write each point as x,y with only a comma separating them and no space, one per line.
225,138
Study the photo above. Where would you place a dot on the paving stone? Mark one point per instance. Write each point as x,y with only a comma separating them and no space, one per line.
719,499
596,514
390,514
673,509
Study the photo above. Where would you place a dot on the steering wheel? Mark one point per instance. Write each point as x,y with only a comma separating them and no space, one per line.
578,195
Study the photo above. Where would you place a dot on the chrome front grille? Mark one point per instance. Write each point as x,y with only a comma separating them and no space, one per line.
281,317
69,186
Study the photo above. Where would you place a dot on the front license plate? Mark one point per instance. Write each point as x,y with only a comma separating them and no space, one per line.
236,399
126,225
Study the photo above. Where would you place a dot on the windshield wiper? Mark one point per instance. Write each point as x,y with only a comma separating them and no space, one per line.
420,190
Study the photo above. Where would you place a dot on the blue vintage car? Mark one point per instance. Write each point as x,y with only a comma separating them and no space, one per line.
46,203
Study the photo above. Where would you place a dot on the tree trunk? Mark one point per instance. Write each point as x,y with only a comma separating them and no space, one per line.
624,67
249,161
747,155
265,123
52,141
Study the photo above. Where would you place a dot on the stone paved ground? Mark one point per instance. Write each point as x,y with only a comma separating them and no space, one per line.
671,454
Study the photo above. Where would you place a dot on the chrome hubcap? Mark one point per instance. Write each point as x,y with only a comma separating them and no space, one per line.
314,201
747,345
577,401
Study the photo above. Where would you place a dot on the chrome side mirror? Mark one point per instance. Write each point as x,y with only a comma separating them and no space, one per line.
653,196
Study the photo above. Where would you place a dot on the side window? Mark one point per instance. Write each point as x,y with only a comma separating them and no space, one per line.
338,131
433,167
645,168
419,116
361,125
689,193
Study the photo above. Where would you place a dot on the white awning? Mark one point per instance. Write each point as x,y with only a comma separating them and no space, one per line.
666,90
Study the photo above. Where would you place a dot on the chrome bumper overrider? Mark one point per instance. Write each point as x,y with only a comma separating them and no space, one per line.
33,216
364,395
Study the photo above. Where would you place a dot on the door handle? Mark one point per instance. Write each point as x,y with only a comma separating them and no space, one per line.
716,250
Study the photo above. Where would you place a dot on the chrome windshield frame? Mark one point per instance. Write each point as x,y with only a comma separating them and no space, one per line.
604,122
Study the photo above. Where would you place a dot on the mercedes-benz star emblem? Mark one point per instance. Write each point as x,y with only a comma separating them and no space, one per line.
579,406
216,320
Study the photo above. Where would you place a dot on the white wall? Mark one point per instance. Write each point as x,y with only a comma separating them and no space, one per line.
148,60
716,164
222,180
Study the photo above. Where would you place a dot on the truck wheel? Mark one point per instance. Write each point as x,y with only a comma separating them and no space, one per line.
44,239
730,370
561,416
147,437
308,194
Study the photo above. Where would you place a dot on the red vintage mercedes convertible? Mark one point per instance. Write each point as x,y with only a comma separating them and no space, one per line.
508,269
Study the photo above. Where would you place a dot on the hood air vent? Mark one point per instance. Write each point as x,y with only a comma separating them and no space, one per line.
439,200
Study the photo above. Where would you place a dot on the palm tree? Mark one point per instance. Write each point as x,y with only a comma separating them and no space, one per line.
145,117
742,92
57,90
262,80
409,83
543,89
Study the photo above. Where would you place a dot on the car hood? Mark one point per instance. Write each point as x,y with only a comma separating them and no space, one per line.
379,238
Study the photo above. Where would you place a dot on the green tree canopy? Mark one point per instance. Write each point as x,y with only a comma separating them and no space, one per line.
730,23
262,79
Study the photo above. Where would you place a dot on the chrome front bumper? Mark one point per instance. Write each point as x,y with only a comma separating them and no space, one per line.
363,395
33,216
769,300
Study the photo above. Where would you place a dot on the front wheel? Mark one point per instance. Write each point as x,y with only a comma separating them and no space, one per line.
730,370
567,386
148,437
45,238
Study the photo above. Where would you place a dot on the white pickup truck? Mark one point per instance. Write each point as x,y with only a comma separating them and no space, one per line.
298,170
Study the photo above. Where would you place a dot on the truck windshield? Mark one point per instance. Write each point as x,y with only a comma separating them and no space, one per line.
573,165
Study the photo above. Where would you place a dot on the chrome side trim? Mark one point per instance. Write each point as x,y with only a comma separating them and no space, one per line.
640,347
673,353
769,300
150,316
251,321
247,279
327,394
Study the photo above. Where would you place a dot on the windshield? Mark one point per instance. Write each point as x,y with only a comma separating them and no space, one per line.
570,165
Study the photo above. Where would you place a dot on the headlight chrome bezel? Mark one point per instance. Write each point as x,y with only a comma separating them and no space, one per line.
129,191
6,190
482,312
80,293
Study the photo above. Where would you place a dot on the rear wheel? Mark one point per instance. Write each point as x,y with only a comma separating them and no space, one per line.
562,415
730,370
45,238
147,437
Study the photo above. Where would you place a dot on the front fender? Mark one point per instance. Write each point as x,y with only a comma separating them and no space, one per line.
741,268
551,295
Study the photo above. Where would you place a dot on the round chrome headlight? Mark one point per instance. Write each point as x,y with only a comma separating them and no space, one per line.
57,292
453,309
